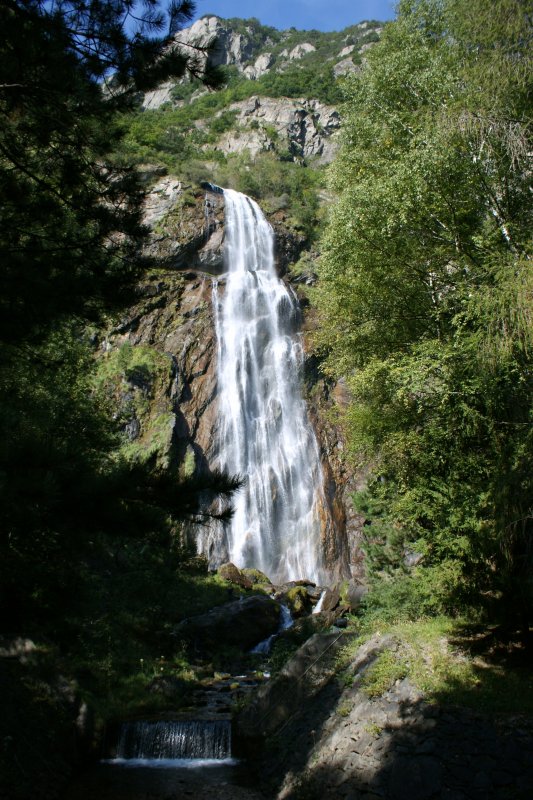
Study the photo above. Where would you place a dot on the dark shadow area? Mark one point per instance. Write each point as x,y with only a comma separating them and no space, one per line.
501,659
115,782
341,744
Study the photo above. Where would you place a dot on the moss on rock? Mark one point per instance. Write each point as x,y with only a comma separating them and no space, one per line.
298,600
234,575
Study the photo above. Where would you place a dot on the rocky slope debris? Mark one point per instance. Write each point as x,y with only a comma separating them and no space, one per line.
331,739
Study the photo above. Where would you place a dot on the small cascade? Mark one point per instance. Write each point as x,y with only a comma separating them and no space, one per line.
286,621
188,739
318,608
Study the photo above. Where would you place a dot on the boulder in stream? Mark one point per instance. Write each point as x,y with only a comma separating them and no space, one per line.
234,575
298,600
257,577
242,623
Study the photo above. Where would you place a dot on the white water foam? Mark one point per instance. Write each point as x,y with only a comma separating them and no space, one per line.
264,432
144,741
172,763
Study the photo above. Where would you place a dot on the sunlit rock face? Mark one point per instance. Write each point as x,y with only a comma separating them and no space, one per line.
176,317
226,45
308,127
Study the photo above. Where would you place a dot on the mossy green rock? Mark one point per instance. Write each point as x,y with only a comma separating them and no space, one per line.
256,576
298,600
234,575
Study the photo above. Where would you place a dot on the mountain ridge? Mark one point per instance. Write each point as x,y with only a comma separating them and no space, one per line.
253,50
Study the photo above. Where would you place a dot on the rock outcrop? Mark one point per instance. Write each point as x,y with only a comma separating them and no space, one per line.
330,739
229,572
300,680
242,623
215,42
307,127
210,41
344,67
301,50
261,65
222,44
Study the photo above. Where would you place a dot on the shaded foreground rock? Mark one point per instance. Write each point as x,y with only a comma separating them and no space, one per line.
311,667
329,739
243,623
109,782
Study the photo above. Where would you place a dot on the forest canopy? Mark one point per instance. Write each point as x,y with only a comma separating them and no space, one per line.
70,238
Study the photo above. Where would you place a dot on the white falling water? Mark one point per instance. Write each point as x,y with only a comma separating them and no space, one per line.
190,739
286,621
318,608
264,432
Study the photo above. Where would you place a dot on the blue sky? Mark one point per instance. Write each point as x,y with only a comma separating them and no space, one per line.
323,15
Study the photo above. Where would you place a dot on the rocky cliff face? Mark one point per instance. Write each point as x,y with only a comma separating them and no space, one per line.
213,41
255,50
224,44
159,361
170,415
331,738
306,127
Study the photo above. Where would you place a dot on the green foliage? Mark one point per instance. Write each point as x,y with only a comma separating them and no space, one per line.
424,592
171,135
425,296
454,662
70,228
150,589
314,81
383,673
133,382
221,123
91,548
34,728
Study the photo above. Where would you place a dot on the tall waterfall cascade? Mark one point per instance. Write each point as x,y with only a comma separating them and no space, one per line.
264,434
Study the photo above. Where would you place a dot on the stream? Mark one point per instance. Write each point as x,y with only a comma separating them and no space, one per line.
168,780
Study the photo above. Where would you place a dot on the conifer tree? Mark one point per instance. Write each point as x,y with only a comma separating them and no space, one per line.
70,233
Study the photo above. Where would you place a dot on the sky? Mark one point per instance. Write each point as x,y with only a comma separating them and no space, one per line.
322,15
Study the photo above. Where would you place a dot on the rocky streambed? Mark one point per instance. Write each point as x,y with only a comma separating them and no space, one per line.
310,729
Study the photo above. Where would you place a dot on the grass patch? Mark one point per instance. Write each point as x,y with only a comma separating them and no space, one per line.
344,710
383,673
453,662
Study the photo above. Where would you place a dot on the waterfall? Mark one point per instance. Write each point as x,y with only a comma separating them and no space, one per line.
318,608
286,621
191,739
264,434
